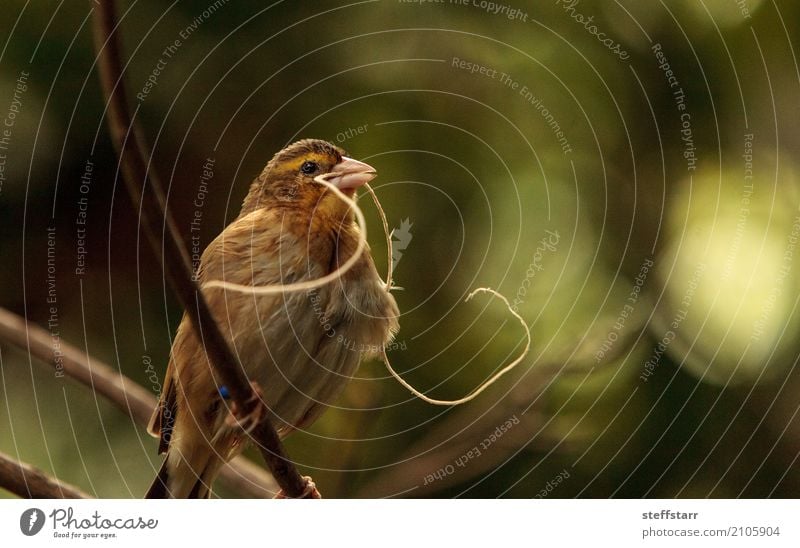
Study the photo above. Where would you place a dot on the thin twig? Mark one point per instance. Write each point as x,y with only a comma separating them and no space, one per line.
31,483
145,188
240,474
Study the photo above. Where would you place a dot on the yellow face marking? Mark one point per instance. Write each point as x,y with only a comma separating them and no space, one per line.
293,165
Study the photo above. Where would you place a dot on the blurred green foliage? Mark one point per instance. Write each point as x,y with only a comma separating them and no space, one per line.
475,161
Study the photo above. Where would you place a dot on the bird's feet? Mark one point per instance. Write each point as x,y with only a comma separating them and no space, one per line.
253,413
310,492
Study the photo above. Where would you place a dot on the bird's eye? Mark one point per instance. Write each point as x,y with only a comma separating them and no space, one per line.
309,167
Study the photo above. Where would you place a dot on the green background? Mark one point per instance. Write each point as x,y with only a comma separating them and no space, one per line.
478,170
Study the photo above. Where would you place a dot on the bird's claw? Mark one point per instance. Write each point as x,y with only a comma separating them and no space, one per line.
310,491
249,420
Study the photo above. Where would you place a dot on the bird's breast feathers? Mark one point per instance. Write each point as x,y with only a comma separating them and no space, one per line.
301,347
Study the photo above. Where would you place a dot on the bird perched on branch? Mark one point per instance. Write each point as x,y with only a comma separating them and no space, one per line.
299,348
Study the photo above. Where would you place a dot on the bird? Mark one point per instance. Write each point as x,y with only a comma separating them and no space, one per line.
299,348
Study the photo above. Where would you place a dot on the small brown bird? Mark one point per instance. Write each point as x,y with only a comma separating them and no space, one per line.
300,348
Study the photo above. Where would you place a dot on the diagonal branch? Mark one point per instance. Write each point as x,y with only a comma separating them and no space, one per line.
240,474
31,483
145,188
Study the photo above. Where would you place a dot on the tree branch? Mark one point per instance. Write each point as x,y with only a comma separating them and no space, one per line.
240,474
28,482
145,188
128,396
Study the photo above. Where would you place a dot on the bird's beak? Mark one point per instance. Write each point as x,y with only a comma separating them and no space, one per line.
351,174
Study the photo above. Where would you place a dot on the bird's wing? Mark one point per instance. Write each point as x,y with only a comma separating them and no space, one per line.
261,249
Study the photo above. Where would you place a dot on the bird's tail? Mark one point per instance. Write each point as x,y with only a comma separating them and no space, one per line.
180,478
159,489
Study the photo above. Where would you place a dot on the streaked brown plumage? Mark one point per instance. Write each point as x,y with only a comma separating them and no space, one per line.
300,348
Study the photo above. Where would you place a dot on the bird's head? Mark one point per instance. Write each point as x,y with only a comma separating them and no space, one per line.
288,179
